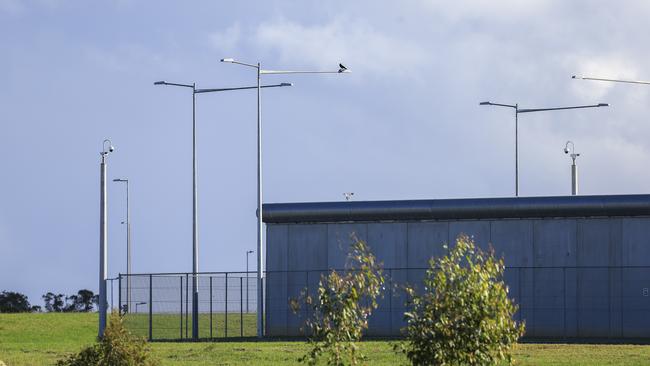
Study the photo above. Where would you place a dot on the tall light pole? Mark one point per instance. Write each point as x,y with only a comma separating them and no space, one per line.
247,253
574,168
529,110
195,225
260,249
128,244
107,147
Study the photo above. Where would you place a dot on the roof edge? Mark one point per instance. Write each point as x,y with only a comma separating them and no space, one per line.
458,209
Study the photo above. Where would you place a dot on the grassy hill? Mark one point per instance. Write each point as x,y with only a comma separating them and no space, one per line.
41,339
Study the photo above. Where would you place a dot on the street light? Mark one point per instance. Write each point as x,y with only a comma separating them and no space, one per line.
138,304
195,225
574,168
530,110
260,72
611,80
128,243
247,253
107,147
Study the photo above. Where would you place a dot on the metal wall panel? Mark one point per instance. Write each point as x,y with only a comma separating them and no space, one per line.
425,240
389,244
478,230
570,276
339,239
277,242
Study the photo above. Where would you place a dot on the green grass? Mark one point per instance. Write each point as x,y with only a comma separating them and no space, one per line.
168,326
41,339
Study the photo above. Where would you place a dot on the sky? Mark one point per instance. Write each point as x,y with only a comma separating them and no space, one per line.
404,124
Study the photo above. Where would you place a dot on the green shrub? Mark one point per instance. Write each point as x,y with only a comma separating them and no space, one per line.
342,307
463,315
118,347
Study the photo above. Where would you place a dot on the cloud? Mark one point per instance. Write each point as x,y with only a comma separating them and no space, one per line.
365,49
503,10
227,39
607,67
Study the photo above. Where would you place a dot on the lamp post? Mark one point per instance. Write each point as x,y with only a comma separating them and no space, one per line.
128,243
247,253
574,168
260,249
107,147
195,225
530,110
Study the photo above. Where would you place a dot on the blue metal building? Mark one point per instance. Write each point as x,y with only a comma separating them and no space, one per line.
578,266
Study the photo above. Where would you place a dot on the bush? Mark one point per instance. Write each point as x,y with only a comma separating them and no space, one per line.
118,347
463,315
342,307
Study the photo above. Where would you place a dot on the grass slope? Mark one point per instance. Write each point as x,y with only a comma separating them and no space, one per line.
41,339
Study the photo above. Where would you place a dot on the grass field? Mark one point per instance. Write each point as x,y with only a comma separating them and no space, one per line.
41,339
170,326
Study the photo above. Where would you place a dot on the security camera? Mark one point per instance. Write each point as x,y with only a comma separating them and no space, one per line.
566,151
111,149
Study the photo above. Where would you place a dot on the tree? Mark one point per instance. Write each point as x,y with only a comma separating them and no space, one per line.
81,302
85,300
14,302
463,315
70,304
342,307
53,302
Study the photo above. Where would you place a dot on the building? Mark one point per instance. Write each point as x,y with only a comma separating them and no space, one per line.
578,266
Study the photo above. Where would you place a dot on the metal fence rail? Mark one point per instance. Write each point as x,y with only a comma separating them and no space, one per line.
555,302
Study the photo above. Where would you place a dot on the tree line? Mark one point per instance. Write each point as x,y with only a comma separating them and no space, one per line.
15,302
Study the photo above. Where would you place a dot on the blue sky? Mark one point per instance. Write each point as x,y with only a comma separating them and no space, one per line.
405,124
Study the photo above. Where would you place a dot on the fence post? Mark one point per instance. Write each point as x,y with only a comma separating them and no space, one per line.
225,334
564,300
263,303
181,304
119,294
241,306
150,306
186,301
390,299
307,292
210,306
519,285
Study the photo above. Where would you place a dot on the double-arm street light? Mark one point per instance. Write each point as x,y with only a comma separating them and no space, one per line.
260,253
128,243
530,110
195,227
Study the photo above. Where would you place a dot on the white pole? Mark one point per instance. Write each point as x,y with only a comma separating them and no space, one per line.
103,239
574,178
260,289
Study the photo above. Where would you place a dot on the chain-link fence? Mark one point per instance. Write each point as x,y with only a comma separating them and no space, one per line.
555,302
159,306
